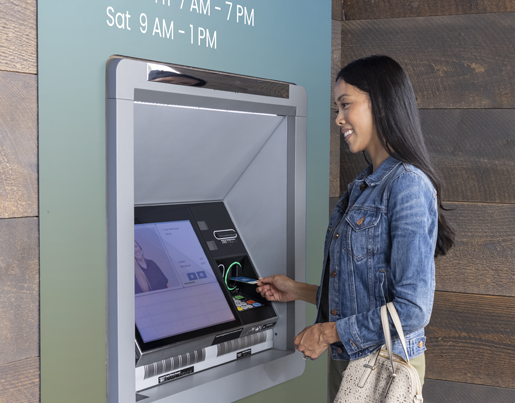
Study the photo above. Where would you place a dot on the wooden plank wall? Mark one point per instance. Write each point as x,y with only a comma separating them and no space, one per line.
460,56
19,237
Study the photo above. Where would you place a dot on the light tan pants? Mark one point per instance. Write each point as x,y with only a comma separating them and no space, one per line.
335,369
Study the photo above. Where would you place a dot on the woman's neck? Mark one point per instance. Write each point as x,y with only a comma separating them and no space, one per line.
140,260
378,156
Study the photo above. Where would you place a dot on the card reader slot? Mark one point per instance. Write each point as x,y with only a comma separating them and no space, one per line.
225,234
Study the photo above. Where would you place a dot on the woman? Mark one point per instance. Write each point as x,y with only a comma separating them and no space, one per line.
149,276
384,232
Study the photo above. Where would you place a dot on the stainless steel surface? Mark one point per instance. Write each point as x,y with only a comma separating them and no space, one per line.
184,155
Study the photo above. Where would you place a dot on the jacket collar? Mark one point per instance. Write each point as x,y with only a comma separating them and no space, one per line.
375,178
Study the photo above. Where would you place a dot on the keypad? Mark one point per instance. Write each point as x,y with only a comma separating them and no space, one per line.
242,303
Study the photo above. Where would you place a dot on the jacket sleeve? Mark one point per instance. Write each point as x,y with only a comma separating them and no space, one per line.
413,219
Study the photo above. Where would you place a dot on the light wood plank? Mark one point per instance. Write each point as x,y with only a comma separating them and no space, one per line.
461,61
18,145
19,289
18,36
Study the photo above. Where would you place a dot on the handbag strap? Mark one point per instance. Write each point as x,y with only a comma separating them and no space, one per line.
390,308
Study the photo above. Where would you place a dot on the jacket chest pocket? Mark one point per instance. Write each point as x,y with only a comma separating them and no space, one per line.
364,233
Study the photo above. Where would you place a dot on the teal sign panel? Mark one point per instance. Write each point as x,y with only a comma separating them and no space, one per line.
286,40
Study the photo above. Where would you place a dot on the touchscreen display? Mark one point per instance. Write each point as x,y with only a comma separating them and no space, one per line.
176,290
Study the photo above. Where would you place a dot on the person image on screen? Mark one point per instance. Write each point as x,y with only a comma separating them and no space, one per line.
384,232
149,276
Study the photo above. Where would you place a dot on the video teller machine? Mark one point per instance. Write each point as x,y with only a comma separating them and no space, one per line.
195,301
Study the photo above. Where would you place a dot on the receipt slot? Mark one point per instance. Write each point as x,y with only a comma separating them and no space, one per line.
206,191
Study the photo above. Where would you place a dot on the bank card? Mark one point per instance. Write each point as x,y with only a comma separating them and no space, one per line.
245,280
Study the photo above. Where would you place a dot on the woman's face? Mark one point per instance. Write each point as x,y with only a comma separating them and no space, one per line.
138,253
355,118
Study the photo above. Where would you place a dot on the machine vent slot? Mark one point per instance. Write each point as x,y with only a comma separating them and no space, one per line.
170,364
237,344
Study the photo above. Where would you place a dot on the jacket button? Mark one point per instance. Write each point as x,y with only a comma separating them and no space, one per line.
333,274
336,235
339,350
360,221
334,312
420,344
363,186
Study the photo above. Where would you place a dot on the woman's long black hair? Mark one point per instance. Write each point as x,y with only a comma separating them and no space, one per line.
395,111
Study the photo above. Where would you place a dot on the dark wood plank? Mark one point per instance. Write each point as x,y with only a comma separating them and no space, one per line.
19,289
19,381
332,204
337,10
336,55
336,52
461,61
483,259
334,159
471,339
18,145
474,150
368,9
18,36
453,392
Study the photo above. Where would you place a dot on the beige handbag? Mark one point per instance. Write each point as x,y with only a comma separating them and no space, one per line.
382,377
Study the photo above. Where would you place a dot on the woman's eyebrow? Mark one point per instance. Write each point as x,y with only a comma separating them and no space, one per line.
341,96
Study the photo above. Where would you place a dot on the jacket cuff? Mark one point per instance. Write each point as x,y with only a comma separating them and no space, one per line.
349,336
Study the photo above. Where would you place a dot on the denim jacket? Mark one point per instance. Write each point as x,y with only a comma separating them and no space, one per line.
381,242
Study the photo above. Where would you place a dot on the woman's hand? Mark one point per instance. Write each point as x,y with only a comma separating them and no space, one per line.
315,339
277,288
283,289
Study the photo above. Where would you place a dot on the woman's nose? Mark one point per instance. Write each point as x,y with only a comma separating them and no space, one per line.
340,120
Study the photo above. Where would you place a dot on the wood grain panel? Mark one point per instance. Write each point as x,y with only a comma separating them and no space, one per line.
367,9
334,168
471,339
332,204
461,61
337,10
19,381
18,145
454,392
18,43
483,259
474,150
336,55
336,52
19,289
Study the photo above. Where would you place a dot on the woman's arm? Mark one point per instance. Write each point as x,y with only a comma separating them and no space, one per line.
283,289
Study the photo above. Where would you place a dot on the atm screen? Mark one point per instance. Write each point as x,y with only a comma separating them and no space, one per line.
176,289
